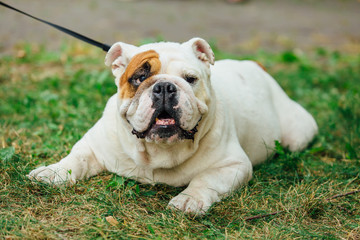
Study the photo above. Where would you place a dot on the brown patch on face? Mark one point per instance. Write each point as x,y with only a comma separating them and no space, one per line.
141,67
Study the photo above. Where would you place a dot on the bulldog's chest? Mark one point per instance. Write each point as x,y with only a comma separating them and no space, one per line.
175,176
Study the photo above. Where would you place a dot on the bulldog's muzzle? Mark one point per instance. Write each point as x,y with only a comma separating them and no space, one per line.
165,121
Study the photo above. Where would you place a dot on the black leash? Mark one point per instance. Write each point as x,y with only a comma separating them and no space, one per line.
103,46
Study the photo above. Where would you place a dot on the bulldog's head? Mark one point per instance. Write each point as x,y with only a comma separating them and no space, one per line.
163,88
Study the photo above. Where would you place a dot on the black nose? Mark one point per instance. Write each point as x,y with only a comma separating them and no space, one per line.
164,90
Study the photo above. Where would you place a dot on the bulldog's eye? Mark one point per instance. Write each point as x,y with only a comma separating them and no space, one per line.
140,79
140,75
190,78
136,79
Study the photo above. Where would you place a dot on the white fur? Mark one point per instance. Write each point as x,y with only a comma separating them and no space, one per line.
243,112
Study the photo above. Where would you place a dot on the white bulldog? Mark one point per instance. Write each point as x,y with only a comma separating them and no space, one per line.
176,119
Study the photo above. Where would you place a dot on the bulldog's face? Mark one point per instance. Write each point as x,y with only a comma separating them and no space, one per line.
164,88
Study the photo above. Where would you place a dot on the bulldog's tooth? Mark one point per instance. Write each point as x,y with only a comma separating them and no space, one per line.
171,121
167,121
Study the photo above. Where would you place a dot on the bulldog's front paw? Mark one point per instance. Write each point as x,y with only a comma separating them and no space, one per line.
53,174
189,204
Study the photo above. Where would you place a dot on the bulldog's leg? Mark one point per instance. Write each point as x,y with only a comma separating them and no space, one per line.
212,184
298,127
80,163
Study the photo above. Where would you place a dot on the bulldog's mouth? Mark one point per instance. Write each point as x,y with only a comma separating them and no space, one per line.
165,126
164,119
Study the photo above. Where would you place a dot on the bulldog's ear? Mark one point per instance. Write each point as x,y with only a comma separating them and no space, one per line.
119,56
202,50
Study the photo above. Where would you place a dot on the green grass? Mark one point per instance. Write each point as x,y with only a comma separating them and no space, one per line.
48,100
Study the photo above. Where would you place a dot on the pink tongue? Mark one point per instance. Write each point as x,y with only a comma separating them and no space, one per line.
166,121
